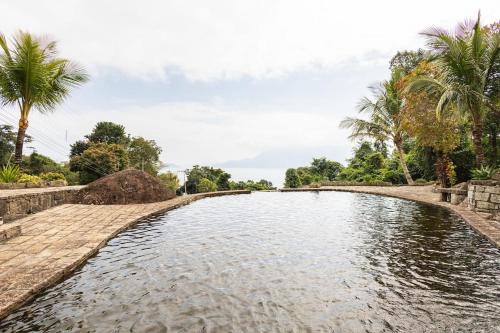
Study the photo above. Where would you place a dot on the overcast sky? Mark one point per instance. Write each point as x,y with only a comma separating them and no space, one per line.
216,81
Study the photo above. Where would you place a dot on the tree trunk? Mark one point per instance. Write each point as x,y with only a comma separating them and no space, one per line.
477,139
401,152
493,144
442,166
21,133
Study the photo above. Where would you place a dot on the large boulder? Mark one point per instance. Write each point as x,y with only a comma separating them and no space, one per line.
124,187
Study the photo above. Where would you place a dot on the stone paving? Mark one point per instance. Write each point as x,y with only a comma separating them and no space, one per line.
55,242
423,194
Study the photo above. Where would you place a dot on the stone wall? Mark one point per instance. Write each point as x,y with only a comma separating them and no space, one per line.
18,206
484,196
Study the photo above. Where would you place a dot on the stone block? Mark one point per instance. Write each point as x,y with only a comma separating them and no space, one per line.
482,196
495,198
485,205
456,199
479,188
492,189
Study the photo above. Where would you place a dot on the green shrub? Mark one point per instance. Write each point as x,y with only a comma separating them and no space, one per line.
354,183
393,176
52,176
483,173
170,180
9,173
292,178
29,179
206,185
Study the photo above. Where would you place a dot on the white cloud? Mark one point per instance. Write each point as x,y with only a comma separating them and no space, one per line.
207,40
190,133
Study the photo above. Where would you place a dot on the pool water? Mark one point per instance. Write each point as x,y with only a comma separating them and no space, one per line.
282,262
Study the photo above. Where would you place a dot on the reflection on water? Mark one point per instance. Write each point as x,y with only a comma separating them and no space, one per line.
282,262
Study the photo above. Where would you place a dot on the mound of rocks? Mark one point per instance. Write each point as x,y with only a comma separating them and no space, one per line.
124,187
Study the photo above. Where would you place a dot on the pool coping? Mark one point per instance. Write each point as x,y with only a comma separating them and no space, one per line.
19,290
489,229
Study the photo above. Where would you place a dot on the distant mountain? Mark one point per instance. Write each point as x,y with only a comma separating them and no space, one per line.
289,158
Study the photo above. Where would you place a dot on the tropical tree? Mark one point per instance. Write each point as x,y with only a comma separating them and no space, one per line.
468,79
110,133
144,155
32,76
384,123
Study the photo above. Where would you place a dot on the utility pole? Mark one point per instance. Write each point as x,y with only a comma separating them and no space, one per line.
185,181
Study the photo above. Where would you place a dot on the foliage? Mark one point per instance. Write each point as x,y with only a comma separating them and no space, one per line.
108,132
261,185
419,118
9,173
325,168
32,76
78,148
170,180
483,173
349,183
292,179
466,79
384,123
98,160
50,176
144,155
206,185
29,179
407,61
218,176
36,164
8,143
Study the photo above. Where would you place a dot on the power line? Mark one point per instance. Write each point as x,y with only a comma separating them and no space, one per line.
52,145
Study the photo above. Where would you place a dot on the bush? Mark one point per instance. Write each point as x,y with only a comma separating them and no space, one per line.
354,183
393,176
9,173
36,164
50,176
170,180
99,160
206,185
292,179
29,179
483,173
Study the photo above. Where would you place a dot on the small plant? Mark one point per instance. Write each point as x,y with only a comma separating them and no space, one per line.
29,179
9,173
483,173
170,180
50,176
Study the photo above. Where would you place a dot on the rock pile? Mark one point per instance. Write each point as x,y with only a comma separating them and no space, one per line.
124,187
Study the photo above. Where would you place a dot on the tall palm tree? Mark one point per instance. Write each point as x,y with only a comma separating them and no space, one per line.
384,123
468,77
33,77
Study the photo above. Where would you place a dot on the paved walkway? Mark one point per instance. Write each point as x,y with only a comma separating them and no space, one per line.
55,242
488,228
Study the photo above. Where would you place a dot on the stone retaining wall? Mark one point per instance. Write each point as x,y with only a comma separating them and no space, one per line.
18,206
484,196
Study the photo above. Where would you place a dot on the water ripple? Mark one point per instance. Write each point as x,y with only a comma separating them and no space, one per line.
281,262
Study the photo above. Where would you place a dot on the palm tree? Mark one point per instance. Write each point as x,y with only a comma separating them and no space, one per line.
384,118
468,79
32,76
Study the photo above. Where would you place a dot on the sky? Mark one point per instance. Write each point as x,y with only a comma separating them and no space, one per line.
255,84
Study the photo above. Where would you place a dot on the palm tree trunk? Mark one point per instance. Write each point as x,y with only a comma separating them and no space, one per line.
493,144
21,133
477,140
401,152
